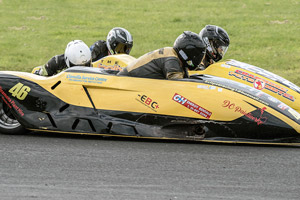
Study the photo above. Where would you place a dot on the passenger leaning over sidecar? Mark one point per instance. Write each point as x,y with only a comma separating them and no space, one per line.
119,40
217,41
169,62
77,53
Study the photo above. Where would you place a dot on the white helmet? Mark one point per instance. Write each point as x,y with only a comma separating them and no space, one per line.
77,53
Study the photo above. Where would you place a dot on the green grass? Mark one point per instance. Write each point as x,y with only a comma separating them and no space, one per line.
262,33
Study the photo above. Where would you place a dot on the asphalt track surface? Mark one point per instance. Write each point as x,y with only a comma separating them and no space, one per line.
75,167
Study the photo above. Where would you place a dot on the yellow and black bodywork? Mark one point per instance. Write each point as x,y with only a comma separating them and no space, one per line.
250,75
114,62
93,101
258,78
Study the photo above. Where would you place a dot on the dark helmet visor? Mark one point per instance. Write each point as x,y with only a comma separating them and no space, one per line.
123,48
220,47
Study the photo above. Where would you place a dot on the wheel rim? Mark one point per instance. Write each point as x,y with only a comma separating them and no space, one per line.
7,120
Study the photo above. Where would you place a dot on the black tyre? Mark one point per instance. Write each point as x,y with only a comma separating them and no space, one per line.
8,123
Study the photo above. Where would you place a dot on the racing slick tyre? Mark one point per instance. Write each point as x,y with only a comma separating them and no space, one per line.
8,123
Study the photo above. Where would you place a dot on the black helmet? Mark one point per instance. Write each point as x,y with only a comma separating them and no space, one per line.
119,40
216,40
190,49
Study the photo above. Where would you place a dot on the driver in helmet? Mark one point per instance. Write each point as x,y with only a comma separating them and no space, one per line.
217,41
118,41
169,62
77,53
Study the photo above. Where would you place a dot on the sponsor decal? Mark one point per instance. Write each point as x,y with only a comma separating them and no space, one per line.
6,102
10,103
260,83
20,91
206,87
238,90
294,113
235,108
115,67
274,100
86,79
148,102
191,105
225,66
283,106
264,73
260,94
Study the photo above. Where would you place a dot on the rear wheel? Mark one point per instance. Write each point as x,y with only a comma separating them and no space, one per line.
8,123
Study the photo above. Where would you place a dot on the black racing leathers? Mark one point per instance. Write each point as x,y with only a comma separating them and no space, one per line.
99,50
55,64
159,64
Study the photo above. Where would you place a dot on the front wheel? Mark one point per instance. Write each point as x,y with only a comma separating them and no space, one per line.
8,123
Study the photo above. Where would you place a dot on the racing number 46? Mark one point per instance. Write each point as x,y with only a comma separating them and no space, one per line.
19,91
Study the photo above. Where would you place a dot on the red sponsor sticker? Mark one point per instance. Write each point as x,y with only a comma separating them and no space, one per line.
147,101
10,102
191,105
259,120
259,84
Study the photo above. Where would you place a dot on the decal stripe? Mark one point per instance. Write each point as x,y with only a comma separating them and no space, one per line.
90,98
